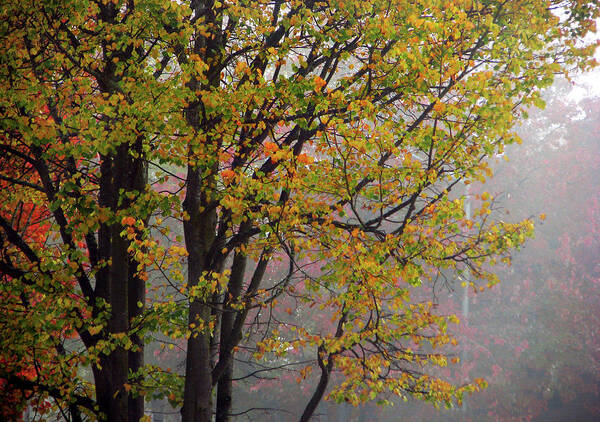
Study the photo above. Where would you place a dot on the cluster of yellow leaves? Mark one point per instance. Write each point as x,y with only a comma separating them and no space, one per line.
337,144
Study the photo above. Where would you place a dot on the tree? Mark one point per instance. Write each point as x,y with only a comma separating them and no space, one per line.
30,222
554,358
540,354
323,137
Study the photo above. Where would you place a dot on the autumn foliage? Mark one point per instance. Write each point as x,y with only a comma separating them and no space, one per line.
541,355
192,172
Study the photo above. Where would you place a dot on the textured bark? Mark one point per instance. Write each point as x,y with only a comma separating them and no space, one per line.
224,385
136,294
122,290
225,394
101,382
118,300
199,233
135,357
198,382
118,284
200,228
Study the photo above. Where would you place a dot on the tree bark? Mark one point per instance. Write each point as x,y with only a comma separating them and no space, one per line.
224,386
225,394
200,228
118,298
137,290
326,368
199,232
122,290
136,295
319,392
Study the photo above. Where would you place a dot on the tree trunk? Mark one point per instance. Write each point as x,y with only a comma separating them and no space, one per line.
199,231
225,394
122,290
234,289
136,294
137,290
326,364
200,228
319,392
197,403
118,300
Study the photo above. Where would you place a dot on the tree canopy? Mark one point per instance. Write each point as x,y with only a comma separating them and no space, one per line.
535,337
194,172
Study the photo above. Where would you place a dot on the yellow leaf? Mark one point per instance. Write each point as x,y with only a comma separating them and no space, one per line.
95,329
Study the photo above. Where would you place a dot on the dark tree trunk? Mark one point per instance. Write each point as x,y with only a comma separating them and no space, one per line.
224,386
225,394
122,290
118,285
136,296
326,364
198,381
319,392
199,231
200,228
118,300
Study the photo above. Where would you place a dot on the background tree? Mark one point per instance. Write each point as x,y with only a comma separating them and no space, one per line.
550,328
321,136
540,355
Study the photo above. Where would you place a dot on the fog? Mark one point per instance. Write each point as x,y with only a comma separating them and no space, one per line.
535,336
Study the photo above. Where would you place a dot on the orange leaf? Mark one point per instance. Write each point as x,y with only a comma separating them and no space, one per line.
319,83
305,159
227,176
270,147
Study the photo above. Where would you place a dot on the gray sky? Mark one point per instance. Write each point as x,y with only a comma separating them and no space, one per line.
588,84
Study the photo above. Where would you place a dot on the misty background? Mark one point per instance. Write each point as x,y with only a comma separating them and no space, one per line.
535,336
